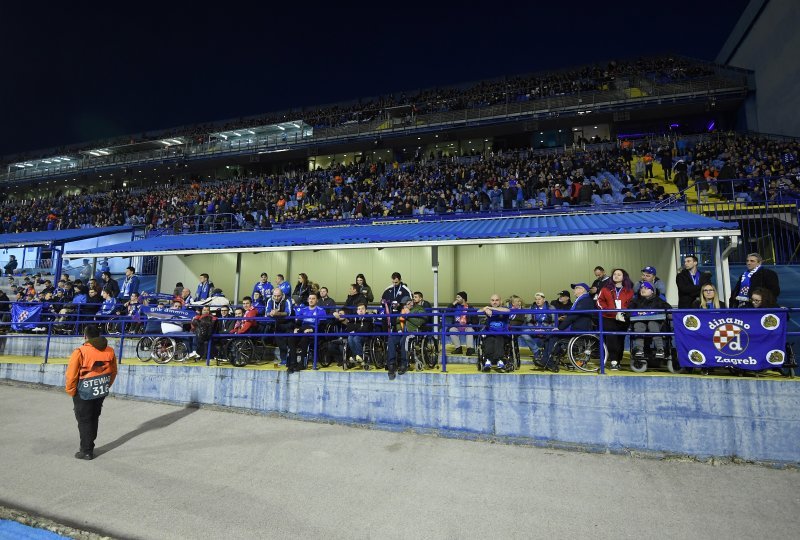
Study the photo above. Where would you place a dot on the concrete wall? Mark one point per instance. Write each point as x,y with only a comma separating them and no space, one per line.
506,269
746,418
770,48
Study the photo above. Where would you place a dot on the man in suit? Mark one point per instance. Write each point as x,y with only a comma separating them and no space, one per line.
690,281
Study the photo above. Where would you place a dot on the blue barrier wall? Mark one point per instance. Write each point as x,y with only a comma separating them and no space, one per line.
704,417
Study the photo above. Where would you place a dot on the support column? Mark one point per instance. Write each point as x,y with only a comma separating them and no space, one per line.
237,278
723,288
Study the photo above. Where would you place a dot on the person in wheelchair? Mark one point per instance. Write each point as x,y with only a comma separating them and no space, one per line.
496,328
310,318
460,323
573,322
645,321
356,325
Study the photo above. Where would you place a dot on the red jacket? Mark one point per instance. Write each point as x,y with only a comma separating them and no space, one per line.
607,300
245,325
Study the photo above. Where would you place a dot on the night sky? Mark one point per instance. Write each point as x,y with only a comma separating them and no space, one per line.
74,74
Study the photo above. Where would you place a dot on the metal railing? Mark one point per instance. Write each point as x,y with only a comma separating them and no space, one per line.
437,321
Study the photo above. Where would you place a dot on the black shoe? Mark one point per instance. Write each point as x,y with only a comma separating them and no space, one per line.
458,350
470,351
84,455
402,371
392,375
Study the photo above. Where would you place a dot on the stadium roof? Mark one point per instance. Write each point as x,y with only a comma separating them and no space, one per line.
528,229
45,238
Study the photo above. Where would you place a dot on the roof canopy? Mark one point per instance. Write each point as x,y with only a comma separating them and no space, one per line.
45,238
546,228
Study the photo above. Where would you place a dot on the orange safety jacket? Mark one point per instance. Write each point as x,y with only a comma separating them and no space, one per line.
92,359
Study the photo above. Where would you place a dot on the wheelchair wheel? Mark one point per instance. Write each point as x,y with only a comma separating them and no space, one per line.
673,366
416,354
638,365
242,352
163,350
378,352
479,353
430,351
584,352
144,349
181,351
112,327
328,352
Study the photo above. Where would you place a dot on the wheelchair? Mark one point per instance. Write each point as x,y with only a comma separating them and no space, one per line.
242,351
510,352
167,347
113,326
649,361
578,352
423,351
374,353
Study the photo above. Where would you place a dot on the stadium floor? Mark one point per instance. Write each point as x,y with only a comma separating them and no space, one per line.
452,369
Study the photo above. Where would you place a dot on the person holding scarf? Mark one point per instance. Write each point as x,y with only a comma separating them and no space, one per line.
754,277
617,293
129,285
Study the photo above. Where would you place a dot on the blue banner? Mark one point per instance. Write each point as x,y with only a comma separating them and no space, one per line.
154,312
25,316
744,339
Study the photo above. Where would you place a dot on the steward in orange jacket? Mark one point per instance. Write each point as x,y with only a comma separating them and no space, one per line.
90,373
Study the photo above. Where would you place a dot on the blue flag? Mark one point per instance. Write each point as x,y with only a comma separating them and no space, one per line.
742,338
25,316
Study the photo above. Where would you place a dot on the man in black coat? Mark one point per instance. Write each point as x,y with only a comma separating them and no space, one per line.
575,321
754,277
690,281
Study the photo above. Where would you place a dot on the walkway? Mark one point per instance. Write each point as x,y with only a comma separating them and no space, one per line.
169,472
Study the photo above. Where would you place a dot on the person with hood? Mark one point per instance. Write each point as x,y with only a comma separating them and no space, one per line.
645,320
91,371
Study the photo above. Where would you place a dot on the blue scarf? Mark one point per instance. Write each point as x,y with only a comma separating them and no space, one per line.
744,286
579,299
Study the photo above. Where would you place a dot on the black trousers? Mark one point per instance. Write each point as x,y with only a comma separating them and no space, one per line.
494,348
87,413
615,344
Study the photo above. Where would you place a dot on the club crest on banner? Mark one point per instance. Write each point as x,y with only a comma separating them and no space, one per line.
731,339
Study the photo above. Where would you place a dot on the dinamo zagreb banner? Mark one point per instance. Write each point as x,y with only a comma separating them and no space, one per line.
25,316
744,339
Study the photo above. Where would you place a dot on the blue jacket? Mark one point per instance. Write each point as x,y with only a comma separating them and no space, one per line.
129,286
580,321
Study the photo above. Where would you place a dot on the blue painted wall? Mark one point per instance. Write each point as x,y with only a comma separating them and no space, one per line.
747,418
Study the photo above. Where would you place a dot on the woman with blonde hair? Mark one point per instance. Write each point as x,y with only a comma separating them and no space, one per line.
709,299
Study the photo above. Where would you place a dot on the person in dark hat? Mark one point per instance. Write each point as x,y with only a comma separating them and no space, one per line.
562,303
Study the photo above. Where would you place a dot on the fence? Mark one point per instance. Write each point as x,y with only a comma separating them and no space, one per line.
583,348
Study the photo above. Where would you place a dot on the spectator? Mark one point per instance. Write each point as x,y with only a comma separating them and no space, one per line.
615,295
754,277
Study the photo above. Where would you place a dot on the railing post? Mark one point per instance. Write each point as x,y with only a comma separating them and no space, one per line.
47,345
602,348
443,333
121,340
316,340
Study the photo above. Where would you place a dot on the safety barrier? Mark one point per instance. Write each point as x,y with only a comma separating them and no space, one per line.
127,331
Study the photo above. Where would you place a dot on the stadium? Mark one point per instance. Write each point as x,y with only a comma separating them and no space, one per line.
600,257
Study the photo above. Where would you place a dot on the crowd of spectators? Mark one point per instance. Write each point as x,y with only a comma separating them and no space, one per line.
657,70
494,182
